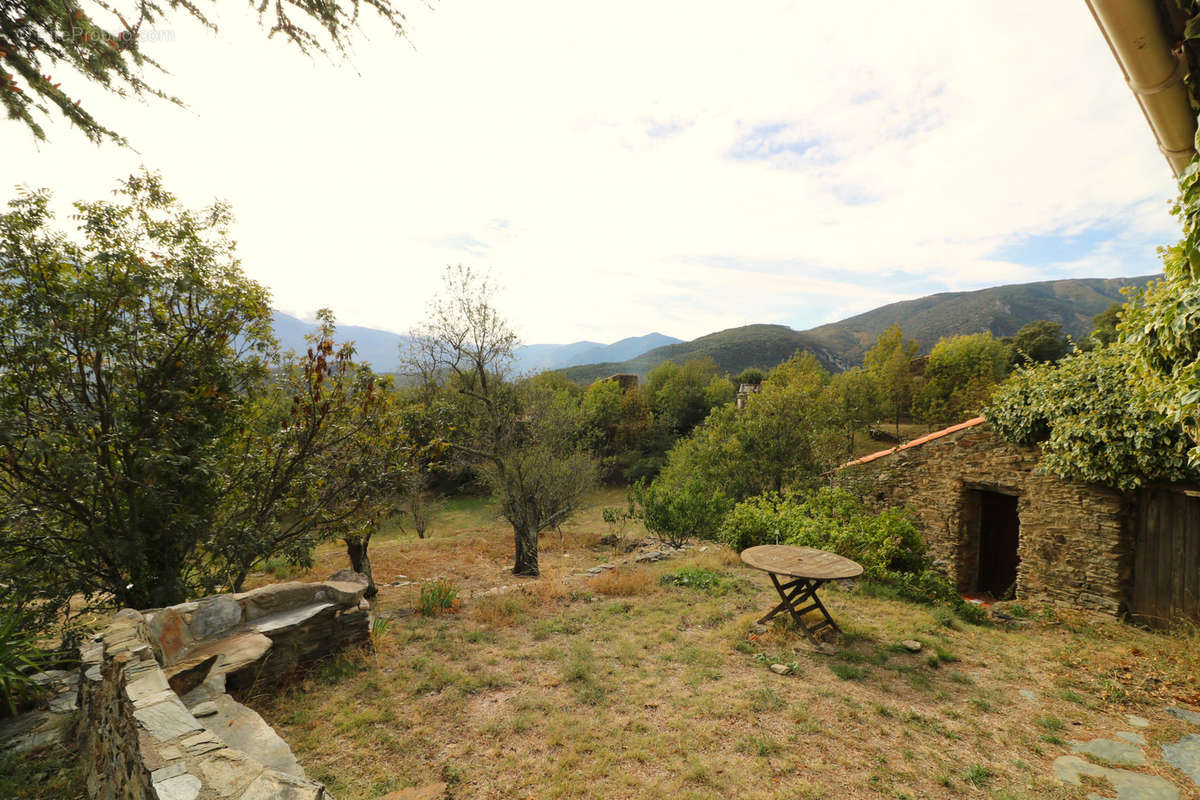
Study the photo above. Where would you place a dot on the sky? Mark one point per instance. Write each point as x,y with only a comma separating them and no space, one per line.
629,167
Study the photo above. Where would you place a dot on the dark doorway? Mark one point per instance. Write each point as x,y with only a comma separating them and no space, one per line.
999,535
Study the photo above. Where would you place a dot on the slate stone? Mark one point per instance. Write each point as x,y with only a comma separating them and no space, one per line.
1028,694
1112,751
64,703
189,677
1128,785
1185,715
279,597
283,621
180,787
1130,736
153,682
215,615
201,743
1136,721
348,575
273,785
1184,756
169,771
235,653
241,728
228,771
170,631
205,709
166,720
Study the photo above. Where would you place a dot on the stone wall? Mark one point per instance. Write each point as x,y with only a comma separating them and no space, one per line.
1075,544
157,720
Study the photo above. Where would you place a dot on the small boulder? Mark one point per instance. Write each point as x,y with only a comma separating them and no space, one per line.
911,645
780,669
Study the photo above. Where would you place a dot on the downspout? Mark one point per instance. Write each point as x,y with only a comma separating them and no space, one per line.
1135,34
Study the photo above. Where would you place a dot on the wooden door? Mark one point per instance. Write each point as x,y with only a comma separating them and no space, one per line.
999,541
1166,560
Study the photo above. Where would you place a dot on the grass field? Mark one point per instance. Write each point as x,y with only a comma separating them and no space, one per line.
620,686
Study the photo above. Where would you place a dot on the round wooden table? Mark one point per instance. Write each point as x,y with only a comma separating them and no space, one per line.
808,569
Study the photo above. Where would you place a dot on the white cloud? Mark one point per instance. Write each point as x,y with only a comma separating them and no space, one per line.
585,155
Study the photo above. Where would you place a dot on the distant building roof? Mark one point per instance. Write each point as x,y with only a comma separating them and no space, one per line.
929,437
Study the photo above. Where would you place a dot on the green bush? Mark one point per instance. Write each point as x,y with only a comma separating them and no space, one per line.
675,515
887,545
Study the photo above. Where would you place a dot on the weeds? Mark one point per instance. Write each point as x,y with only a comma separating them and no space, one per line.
436,597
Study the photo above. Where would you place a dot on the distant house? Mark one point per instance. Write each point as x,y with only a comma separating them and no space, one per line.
745,390
998,526
626,380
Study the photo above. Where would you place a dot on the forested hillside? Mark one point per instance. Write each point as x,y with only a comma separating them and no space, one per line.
1000,310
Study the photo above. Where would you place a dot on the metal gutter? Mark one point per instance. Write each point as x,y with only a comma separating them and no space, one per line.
1136,34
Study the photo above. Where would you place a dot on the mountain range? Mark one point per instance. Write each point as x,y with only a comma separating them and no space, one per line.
1001,310
381,349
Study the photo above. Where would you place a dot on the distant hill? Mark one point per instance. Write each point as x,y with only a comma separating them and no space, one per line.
381,348
1002,310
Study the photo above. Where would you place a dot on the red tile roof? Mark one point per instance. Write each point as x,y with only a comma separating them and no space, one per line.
929,437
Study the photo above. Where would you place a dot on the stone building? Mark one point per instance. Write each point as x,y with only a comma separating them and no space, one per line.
998,526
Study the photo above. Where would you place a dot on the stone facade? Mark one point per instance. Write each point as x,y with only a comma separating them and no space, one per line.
1075,540
156,721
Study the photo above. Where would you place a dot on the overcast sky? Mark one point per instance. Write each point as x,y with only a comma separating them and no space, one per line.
629,167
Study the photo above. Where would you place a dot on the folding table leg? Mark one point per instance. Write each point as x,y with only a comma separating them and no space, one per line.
793,596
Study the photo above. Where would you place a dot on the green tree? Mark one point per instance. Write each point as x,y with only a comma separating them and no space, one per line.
682,396
1040,342
95,43
852,398
524,437
125,360
154,444
889,362
319,454
959,377
1104,325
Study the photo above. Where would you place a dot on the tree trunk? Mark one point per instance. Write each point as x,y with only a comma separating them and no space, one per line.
360,561
526,562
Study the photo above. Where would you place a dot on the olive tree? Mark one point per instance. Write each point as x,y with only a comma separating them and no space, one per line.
523,437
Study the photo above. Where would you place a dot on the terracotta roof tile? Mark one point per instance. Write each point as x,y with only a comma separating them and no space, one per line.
929,437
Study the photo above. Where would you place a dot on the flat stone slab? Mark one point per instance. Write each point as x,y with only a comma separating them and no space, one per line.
282,621
166,720
241,728
235,652
180,787
1129,736
1184,756
1112,751
1185,715
272,785
1128,785
1136,721
215,615
1028,694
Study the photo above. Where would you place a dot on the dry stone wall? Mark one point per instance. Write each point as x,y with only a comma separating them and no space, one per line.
157,720
1075,544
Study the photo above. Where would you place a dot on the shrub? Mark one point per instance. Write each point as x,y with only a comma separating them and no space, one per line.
675,515
436,597
887,545
19,658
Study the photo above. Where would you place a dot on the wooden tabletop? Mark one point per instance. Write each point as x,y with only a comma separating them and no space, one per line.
800,562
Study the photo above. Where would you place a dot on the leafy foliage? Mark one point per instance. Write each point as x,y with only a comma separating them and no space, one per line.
890,363
1040,341
1093,420
524,438
959,377
1162,321
698,579
676,514
887,545
436,597
102,43
19,658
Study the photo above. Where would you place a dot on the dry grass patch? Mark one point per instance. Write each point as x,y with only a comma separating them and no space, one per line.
626,582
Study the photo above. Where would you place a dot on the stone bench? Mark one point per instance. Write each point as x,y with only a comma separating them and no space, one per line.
157,719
